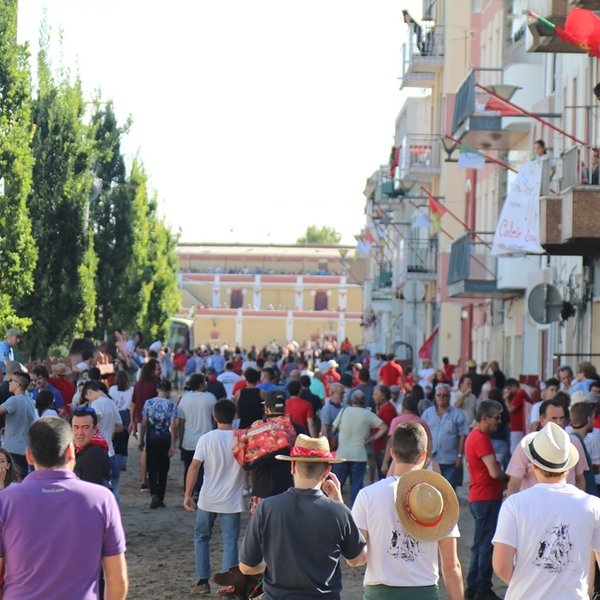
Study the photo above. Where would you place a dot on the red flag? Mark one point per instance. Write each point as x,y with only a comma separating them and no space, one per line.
582,28
437,212
427,347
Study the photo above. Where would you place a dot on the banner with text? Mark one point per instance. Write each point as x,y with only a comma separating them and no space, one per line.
518,230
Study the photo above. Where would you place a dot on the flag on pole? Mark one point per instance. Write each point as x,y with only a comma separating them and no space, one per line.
470,158
426,349
437,212
582,29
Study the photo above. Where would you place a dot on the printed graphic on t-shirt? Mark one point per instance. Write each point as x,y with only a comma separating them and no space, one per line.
403,546
554,551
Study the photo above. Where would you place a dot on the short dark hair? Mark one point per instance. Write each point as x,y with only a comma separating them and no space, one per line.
252,375
311,470
44,400
566,368
270,373
552,381
580,412
85,411
48,442
224,411
364,375
229,366
594,383
385,390
23,379
487,408
305,381
409,441
597,91
41,371
294,388
196,381
164,385
541,142
410,404
94,373
511,382
554,402
390,356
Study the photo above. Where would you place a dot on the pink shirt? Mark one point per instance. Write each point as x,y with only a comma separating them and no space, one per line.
404,418
519,466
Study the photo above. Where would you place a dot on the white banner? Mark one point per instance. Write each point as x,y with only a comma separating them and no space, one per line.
518,230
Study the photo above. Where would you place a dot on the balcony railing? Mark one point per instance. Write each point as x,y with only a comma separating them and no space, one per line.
472,270
417,158
482,121
422,55
421,256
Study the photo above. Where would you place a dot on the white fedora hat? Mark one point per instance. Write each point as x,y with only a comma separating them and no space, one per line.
550,449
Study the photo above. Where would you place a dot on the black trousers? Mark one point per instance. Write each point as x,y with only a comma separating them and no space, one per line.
158,462
187,457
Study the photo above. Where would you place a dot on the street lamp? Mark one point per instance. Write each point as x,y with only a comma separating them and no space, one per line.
505,90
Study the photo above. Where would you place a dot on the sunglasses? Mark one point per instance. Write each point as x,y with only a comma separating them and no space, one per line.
496,417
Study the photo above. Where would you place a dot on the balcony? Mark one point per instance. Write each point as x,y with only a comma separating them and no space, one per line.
415,258
484,122
422,55
567,226
418,158
544,39
472,270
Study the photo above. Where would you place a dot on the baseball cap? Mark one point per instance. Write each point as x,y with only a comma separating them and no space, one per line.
275,401
13,331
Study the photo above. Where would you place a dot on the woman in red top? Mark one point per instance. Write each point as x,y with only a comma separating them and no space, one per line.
145,388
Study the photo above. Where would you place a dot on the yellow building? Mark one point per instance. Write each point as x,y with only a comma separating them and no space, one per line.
253,294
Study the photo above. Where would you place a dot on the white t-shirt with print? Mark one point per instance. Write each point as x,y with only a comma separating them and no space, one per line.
395,558
122,398
553,527
223,486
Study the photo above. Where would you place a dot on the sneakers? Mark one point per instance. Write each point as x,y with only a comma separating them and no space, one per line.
155,502
144,487
201,589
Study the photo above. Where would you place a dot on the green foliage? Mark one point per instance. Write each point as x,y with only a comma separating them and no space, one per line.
17,251
58,205
320,235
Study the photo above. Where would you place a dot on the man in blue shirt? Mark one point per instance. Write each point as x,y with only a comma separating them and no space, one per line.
40,374
13,337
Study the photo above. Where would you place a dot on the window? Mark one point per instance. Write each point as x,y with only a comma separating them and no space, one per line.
237,299
321,301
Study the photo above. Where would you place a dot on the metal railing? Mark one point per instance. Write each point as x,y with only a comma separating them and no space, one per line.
419,154
421,255
471,258
425,44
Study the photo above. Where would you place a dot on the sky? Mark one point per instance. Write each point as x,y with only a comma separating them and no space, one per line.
253,118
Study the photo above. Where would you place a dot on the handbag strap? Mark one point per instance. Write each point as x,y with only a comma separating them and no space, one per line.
335,429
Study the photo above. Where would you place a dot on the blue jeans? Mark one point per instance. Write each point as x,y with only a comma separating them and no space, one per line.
450,472
230,532
116,462
356,470
485,513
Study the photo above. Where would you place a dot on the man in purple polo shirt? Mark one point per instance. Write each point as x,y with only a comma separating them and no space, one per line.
85,524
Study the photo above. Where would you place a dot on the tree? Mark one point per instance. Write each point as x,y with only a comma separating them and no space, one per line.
58,204
164,296
319,235
18,253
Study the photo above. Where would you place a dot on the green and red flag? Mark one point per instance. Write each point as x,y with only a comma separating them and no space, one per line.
437,210
582,29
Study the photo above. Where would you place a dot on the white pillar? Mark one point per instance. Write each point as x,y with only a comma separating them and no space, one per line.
256,300
289,326
341,333
239,327
216,292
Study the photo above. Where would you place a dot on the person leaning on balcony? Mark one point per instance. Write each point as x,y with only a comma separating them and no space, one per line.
585,172
541,153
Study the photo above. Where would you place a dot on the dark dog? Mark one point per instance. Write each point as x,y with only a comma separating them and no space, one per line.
243,587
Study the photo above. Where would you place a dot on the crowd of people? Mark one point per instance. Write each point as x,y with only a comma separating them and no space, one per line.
279,432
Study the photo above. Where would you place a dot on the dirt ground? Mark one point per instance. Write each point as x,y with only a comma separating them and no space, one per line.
160,549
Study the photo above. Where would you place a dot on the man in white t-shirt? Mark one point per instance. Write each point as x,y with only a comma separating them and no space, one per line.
545,534
551,388
228,378
407,519
221,494
426,374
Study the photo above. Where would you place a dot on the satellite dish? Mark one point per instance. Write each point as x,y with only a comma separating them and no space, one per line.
413,290
545,303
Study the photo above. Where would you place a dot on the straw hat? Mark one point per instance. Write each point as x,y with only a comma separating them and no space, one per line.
61,369
426,504
550,449
308,449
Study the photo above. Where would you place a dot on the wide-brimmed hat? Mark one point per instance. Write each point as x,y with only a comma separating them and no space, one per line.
308,449
550,449
61,369
426,504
